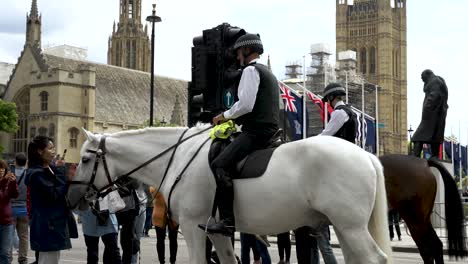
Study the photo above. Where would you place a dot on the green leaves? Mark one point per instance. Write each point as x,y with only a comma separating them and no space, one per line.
8,117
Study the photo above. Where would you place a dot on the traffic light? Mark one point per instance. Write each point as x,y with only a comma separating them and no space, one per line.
215,73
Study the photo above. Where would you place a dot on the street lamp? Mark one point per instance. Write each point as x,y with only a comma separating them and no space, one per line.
153,19
410,132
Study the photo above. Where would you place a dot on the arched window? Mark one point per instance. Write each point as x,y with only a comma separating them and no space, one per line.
363,60
42,131
395,61
20,138
44,100
73,137
128,50
52,132
130,9
117,53
133,55
372,60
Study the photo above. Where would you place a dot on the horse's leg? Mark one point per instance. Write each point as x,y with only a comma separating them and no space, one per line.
436,246
196,241
419,232
358,245
224,250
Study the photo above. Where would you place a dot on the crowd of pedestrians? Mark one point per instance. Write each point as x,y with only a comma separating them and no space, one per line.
34,212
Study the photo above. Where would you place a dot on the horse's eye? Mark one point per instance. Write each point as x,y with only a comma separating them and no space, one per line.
85,159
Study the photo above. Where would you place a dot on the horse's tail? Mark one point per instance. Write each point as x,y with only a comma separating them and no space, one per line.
378,224
454,217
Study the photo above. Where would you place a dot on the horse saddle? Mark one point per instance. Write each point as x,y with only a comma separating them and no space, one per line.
252,166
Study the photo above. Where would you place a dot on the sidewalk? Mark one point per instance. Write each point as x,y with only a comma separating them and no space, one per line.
406,244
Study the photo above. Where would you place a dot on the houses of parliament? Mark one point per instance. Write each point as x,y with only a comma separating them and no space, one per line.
376,31
57,95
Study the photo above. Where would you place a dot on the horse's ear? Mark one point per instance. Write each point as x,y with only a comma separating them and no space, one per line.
88,134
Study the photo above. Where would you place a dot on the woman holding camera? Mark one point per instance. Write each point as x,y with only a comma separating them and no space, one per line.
49,229
8,191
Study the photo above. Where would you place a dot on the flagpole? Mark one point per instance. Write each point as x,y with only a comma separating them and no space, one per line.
284,123
459,156
346,84
363,144
377,120
466,154
304,109
325,109
451,140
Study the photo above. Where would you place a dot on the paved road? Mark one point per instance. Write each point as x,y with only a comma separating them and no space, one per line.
78,253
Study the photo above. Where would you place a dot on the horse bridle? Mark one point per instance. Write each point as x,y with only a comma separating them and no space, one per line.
122,180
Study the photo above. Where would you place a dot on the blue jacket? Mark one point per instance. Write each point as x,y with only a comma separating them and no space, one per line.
49,211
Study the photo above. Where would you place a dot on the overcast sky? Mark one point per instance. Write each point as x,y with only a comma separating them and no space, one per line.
437,36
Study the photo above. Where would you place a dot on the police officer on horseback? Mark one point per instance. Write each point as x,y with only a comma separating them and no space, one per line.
257,110
343,121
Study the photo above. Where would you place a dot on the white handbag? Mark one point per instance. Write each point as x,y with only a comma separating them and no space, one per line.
114,202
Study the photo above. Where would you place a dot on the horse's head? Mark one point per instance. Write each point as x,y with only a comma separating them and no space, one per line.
92,173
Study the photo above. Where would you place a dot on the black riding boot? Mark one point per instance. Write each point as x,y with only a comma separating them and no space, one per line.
225,196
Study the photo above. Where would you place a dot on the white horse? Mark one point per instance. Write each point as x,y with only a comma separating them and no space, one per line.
311,182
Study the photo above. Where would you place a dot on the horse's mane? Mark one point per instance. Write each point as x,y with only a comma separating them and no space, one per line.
198,127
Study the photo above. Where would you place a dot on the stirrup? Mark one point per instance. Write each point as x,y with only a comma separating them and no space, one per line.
207,222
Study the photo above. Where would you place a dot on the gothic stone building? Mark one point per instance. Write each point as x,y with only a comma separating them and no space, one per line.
129,44
376,31
58,96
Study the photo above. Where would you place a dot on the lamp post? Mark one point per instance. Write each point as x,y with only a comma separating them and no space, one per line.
410,132
153,19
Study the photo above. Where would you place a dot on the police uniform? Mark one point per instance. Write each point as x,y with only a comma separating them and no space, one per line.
257,110
343,121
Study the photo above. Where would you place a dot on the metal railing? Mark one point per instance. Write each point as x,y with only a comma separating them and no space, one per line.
438,217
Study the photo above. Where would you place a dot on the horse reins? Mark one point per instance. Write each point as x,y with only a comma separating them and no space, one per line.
119,182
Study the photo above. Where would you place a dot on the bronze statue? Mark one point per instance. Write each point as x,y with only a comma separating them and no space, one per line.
432,126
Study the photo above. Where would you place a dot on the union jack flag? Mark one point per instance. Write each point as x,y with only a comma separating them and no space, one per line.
318,102
289,99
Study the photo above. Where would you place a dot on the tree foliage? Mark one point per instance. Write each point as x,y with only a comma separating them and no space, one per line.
8,117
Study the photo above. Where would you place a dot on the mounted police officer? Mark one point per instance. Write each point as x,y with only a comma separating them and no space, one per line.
343,121
257,110
342,124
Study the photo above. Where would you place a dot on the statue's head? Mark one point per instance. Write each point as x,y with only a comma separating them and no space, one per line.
426,75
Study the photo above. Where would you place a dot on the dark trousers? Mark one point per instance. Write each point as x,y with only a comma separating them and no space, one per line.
242,146
248,242
284,246
305,243
111,249
161,247
129,240
418,146
148,224
394,220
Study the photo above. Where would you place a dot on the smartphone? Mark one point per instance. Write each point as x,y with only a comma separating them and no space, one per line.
64,152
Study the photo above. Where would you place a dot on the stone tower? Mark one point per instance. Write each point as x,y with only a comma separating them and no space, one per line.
129,44
33,26
376,30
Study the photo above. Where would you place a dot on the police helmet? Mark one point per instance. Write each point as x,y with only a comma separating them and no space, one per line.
333,89
251,41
